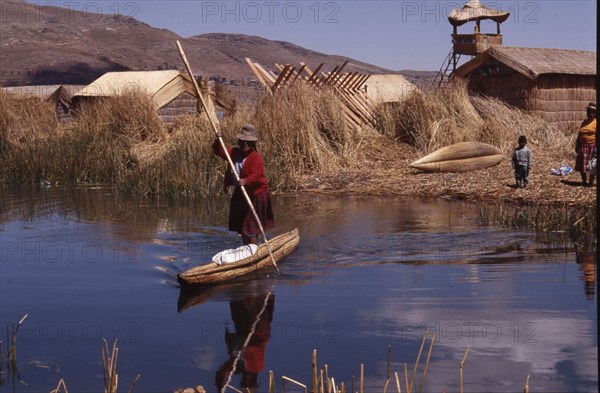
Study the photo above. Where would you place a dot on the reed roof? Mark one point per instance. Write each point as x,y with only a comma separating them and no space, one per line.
473,10
56,93
162,86
388,87
533,62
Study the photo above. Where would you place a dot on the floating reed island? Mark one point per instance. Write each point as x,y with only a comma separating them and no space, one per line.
307,144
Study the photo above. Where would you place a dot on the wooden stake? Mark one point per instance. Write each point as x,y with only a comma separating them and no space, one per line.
362,376
389,360
298,73
271,382
314,75
283,75
460,370
406,378
284,378
427,362
314,369
398,382
259,76
412,378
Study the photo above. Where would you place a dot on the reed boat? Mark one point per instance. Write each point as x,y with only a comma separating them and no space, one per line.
460,157
212,273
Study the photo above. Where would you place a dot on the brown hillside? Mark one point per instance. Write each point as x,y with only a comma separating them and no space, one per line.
51,45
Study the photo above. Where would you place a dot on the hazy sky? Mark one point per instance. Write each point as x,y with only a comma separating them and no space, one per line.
393,34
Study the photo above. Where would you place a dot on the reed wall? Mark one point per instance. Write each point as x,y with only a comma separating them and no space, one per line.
557,98
184,104
503,83
561,99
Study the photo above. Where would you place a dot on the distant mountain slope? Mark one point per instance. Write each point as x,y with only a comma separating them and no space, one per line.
51,45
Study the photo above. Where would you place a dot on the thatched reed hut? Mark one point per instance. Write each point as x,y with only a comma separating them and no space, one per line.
387,88
555,84
59,95
171,91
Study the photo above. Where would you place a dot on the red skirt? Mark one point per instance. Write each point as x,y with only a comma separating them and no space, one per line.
241,219
584,155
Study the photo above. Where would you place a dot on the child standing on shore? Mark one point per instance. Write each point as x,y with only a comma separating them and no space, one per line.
521,162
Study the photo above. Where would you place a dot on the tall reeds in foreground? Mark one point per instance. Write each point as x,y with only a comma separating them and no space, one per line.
109,372
576,222
322,382
11,352
109,368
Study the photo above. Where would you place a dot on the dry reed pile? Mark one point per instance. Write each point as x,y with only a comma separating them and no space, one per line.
303,131
434,119
122,142
26,125
429,121
306,143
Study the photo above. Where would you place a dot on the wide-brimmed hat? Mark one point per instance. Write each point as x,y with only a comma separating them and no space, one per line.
248,133
591,106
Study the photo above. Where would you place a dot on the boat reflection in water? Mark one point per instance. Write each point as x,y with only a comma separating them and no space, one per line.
251,308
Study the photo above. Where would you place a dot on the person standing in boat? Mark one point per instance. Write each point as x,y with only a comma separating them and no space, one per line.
585,146
249,165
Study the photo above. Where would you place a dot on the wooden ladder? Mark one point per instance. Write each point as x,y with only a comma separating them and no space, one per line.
448,67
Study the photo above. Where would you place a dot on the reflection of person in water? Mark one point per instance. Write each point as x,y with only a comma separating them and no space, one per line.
252,318
584,255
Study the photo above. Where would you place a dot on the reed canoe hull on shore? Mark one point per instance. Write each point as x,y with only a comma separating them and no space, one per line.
211,273
460,157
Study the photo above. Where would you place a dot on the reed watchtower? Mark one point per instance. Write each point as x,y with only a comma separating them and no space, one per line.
471,44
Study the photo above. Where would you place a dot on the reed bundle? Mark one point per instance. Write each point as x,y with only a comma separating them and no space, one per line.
25,120
431,120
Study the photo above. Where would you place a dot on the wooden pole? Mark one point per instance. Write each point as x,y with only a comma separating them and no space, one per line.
231,165
460,369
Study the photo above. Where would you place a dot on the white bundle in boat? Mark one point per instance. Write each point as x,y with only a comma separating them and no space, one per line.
236,254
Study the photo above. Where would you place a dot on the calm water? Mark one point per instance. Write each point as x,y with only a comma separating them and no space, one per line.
370,274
